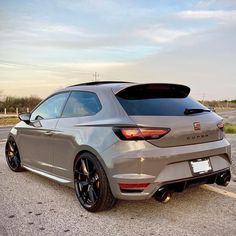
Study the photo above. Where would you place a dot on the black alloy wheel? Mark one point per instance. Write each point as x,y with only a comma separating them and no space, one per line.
12,155
91,184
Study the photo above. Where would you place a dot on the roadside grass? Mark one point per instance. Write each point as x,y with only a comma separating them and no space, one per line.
230,128
4,121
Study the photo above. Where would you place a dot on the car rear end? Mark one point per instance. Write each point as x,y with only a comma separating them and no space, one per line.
172,142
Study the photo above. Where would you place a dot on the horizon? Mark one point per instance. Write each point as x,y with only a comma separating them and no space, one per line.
48,45
3,97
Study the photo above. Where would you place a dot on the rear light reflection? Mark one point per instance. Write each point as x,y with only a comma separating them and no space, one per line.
135,133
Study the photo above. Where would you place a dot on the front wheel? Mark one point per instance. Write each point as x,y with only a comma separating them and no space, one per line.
91,184
12,155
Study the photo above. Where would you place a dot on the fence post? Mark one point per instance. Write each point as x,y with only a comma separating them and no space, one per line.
5,111
27,109
17,110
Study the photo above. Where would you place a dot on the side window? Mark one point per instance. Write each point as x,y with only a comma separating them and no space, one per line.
51,108
82,103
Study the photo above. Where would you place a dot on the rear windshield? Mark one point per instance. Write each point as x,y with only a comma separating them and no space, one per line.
158,106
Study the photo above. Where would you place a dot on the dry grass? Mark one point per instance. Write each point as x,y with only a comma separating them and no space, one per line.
230,128
8,121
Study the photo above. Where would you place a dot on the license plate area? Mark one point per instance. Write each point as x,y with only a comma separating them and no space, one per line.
200,166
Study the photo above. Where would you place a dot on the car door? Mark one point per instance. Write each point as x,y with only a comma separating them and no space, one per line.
81,106
36,139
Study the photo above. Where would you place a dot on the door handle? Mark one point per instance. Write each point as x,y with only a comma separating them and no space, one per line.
48,133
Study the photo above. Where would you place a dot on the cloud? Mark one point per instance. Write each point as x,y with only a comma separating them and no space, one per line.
222,15
207,66
161,34
217,4
42,29
64,42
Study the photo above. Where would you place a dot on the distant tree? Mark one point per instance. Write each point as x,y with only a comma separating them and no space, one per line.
22,103
1,94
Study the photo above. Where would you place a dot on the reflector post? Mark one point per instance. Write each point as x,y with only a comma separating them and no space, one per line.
133,186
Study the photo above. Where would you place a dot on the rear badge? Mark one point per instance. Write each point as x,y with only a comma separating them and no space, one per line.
197,126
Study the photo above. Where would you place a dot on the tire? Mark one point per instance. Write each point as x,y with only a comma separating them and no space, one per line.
12,155
91,184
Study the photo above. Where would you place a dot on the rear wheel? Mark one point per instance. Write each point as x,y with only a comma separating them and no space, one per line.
12,155
91,184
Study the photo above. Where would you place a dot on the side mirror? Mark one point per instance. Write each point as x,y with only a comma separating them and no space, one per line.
25,117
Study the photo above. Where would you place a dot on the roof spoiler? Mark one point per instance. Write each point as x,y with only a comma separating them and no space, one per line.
99,83
157,90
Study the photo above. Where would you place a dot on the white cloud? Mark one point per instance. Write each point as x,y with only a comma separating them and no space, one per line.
161,34
208,14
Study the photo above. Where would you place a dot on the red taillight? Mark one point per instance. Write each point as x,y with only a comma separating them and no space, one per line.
220,125
135,133
153,133
131,133
133,186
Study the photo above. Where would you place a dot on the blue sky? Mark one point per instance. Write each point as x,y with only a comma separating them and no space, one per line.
46,45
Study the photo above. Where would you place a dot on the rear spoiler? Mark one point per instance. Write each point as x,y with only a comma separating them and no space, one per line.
157,90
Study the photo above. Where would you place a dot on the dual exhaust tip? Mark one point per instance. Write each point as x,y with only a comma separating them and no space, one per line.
162,195
223,179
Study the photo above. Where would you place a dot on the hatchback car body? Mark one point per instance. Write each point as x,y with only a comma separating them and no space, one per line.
119,140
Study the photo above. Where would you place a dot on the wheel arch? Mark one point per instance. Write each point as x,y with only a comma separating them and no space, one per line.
88,149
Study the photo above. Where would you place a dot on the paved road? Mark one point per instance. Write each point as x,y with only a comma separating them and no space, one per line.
4,132
33,205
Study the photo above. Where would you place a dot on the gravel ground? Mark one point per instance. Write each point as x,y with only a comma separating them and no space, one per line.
33,205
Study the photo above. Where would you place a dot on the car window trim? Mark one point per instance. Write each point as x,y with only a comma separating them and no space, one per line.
69,92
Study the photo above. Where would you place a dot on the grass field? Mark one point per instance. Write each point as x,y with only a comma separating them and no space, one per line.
4,121
230,128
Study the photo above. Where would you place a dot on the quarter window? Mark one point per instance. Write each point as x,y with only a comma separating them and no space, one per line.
51,108
82,103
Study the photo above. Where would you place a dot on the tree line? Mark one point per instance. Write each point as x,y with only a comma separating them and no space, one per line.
22,103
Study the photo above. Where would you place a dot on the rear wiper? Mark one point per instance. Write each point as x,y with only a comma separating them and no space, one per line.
189,111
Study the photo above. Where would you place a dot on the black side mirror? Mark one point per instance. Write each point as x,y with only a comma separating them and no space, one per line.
25,117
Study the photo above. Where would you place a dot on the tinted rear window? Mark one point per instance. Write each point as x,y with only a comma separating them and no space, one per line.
158,106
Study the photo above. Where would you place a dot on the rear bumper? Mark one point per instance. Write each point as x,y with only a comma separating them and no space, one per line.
141,162
177,185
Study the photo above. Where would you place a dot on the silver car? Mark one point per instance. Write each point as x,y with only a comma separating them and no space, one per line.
120,140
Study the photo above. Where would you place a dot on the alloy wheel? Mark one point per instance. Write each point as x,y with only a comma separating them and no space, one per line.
12,155
87,182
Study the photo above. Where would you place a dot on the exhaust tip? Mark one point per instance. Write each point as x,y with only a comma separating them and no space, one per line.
163,195
223,179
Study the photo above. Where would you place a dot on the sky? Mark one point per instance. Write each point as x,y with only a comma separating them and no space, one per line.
47,45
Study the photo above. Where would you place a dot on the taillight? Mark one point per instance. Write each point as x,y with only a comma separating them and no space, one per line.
220,125
140,133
